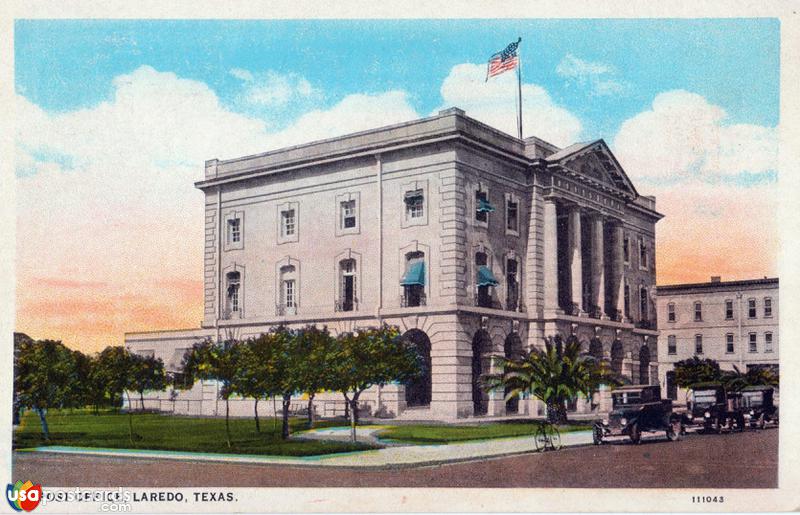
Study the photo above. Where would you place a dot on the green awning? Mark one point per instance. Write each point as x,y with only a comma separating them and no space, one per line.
486,277
414,275
484,206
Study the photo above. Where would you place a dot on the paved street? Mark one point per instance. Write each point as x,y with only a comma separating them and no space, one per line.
747,460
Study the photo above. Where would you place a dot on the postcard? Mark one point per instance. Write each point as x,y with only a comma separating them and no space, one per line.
455,258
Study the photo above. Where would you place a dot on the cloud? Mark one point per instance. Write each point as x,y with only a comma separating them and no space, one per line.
271,90
598,77
715,182
494,103
106,208
683,136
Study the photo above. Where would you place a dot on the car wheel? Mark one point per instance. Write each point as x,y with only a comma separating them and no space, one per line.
674,430
597,434
635,433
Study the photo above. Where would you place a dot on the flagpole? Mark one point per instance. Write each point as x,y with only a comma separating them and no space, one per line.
519,91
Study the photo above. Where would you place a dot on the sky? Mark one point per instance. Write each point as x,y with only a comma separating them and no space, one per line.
115,119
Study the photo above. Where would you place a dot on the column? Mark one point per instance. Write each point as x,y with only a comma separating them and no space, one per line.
598,266
618,289
576,262
550,258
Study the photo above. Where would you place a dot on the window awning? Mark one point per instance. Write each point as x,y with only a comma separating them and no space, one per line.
484,206
413,196
486,277
414,275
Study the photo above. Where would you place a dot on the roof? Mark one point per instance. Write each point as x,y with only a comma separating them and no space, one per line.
672,288
572,149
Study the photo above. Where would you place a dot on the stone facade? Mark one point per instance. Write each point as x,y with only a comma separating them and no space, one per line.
517,240
732,322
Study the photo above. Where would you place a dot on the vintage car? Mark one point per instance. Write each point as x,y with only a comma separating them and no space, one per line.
637,409
757,402
715,409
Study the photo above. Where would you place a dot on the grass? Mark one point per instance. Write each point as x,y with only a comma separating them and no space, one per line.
444,434
80,428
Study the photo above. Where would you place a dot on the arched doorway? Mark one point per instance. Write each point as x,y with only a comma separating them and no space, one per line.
644,365
596,348
481,343
418,390
512,349
617,355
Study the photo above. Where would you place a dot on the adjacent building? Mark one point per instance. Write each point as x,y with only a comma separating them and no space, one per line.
475,243
732,322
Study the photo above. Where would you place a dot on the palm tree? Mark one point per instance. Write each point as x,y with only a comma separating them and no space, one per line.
735,381
554,375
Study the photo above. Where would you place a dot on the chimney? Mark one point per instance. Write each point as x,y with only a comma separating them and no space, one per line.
715,278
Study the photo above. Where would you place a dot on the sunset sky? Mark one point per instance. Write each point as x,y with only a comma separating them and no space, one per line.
116,118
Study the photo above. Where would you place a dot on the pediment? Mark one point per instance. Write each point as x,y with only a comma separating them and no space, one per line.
595,162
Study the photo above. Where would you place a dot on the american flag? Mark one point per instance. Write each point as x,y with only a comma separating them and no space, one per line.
503,61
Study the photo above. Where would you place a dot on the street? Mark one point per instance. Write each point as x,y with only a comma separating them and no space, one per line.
741,460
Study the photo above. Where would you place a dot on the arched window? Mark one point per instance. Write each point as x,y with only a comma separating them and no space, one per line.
413,281
512,284
233,301
643,303
484,281
347,285
289,300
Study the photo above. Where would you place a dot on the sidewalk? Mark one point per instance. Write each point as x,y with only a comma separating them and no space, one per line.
394,455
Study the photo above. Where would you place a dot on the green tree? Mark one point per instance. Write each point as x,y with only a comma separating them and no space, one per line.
556,374
689,372
313,372
112,369
44,376
219,362
287,363
147,373
257,372
370,357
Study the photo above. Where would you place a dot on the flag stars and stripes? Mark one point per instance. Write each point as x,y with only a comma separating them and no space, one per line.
503,61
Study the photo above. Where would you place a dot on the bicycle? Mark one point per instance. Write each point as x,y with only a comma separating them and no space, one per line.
547,436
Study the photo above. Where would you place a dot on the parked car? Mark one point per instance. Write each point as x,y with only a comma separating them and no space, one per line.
714,408
637,409
757,401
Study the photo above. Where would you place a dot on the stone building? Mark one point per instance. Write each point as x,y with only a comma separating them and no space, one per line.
731,322
475,243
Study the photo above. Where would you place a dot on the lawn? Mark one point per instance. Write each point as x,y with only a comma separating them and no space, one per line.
165,432
443,434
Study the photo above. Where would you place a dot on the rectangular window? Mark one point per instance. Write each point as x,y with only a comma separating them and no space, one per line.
698,344
643,311
415,204
348,214
626,249
234,230
643,254
481,200
671,312
512,209
728,310
729,343
288,223
753,343
698,311
751,308
767,307
627,300
767,342
672,346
